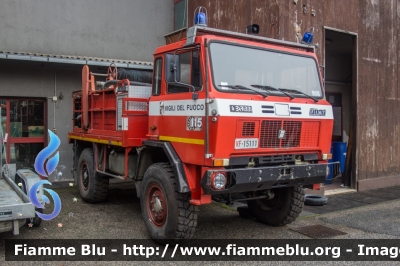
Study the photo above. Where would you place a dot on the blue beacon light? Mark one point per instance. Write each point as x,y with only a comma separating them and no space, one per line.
308,36
200,16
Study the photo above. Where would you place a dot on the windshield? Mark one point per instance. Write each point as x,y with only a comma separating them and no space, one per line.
246,66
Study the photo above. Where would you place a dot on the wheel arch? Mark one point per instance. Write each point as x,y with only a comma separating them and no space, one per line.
93,187
77,148
157,151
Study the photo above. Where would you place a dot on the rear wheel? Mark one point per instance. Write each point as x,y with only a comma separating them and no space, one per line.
283,208
93,187
168,215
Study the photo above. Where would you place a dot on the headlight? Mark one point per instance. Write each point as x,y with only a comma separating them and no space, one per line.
218,181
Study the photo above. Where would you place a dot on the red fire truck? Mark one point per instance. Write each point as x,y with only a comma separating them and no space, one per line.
225,114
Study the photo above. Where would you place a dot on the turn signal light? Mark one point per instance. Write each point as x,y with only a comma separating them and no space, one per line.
326,156
221,162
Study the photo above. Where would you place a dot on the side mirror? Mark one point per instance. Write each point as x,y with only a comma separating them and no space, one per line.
172,68
173,72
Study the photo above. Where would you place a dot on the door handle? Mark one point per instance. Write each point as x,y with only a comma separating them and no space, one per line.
161,108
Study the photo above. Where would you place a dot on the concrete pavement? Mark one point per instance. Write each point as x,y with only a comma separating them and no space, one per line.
367,215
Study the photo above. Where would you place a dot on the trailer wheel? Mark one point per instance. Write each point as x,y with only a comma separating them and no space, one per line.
168,215
36,221
285,206
93,187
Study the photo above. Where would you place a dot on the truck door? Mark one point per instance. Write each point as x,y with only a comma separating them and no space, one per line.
179,109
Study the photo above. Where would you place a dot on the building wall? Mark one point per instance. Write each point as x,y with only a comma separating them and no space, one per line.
277,18
122,29
378,120
377,156
35,79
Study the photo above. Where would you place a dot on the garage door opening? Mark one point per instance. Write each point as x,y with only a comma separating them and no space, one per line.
341,93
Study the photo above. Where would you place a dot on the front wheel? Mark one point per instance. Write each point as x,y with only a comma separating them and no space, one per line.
283,208
168,215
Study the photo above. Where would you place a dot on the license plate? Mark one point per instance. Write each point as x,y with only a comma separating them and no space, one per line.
246,143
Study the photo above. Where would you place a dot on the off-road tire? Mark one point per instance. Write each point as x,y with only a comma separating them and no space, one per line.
283,208
94,188
315,200
176,218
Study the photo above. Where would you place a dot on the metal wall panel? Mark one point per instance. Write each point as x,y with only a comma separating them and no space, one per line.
378,120
277,18
122,29
378,95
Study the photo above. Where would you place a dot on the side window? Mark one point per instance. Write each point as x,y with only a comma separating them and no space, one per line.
190,73
185,67
180,14
157,77
196,71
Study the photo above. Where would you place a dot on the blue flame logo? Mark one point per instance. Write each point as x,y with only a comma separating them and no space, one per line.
36,202
45,153
40,169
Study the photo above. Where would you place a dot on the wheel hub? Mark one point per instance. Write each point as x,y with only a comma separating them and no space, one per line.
85,176
270,202
156,205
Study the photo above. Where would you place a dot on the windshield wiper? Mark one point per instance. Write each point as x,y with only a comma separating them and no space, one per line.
267,88
240,87
284,91
303,93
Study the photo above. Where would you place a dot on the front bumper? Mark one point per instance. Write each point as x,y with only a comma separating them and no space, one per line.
261,178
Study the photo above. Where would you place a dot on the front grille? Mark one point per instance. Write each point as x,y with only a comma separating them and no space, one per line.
269,134
292,134
248,129
297,134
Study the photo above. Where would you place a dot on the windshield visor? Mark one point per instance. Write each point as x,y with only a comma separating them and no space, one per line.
246,66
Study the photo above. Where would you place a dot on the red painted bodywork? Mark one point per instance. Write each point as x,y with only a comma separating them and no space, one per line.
101,119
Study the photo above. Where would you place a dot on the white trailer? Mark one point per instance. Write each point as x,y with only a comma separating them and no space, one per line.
15,206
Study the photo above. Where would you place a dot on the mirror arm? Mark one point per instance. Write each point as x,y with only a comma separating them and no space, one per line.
194,95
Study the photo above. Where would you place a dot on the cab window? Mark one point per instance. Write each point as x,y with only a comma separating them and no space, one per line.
190,73
157,77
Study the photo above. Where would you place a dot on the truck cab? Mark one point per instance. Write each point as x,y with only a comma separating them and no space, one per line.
233,101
